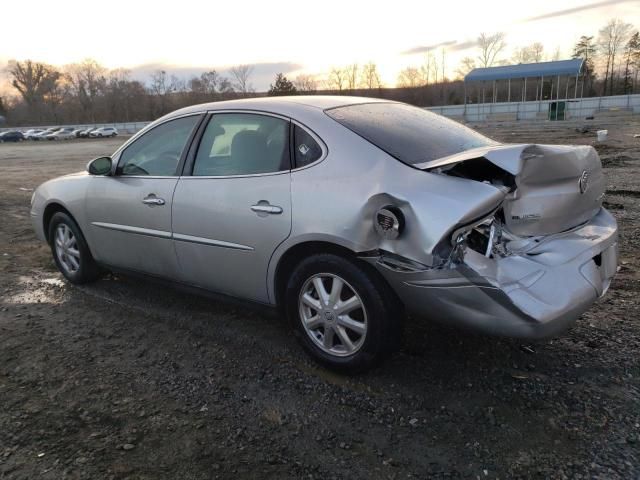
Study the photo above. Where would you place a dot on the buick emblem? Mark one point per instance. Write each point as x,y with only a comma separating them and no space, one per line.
584,181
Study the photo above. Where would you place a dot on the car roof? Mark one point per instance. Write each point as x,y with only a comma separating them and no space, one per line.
276,104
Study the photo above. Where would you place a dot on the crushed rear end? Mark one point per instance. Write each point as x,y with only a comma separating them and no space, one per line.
533,264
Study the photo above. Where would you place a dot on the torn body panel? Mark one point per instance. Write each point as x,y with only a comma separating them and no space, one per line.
532,295
532,266
551,188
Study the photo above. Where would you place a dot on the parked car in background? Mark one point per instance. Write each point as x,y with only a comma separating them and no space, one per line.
85,133
65,133
43,134
78,131
104,132
11,136
28,135
346,213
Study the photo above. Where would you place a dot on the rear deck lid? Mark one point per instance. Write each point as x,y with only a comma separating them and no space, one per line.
552,188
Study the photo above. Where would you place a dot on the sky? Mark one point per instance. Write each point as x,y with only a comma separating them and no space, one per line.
294,37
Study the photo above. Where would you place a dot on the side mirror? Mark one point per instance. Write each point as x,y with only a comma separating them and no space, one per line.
99,166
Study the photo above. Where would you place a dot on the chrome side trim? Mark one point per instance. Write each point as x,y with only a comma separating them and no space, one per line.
207,241
128,229
176,236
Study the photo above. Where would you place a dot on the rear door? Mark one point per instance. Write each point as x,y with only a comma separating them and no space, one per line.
233,208
129,213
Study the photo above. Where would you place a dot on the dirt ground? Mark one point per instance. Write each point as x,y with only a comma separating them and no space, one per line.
128,379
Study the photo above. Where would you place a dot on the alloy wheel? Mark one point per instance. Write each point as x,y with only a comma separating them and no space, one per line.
67,249
333,314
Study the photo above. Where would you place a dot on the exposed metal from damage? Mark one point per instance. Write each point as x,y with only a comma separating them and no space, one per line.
531,266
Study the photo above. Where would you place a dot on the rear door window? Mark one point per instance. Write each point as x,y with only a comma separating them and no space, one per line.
243,144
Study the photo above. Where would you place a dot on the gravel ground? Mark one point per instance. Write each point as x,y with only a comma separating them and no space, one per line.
128,379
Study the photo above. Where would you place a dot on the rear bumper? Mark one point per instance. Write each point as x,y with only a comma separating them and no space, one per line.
535,295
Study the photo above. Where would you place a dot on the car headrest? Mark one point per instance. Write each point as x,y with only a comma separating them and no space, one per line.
248,148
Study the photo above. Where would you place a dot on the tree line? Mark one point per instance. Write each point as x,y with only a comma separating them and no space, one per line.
87,92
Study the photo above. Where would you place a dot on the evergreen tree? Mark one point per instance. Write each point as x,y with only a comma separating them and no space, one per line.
282,87
632,62
586,50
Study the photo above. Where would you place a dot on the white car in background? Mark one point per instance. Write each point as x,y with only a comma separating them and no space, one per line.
43,134
66,133
104,132
28,135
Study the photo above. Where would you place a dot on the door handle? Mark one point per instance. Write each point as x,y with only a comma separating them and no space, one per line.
153,200
266,208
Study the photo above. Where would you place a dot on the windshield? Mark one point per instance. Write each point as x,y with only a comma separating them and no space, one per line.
410,134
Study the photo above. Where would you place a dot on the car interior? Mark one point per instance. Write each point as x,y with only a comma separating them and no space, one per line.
232,145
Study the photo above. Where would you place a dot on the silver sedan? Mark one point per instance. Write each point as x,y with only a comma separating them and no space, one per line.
348,214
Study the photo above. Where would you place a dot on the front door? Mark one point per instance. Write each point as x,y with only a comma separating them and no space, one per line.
129,213
235,209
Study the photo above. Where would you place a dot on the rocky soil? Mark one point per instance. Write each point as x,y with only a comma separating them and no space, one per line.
125,379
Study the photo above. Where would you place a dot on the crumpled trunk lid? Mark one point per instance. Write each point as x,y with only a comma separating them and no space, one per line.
550,188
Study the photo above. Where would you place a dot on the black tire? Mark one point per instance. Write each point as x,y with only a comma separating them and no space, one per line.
384,313
88,270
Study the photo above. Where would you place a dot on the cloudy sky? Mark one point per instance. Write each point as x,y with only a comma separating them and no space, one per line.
292,36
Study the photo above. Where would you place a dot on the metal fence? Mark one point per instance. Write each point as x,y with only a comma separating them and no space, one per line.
577,109
574,109
123,128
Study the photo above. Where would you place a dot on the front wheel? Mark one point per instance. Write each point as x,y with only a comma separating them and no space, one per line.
345,316
70,251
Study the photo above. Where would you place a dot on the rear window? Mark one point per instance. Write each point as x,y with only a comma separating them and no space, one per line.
410,134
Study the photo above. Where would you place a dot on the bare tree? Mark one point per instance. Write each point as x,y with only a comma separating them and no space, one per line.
610,38
351,74
428,66
337,79
490,47
160,89
410,77
370,78
241,75
536,50
34,80
87,81
466,65
209,82
533,53
306,83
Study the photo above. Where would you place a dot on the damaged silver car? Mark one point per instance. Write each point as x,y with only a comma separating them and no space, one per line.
347,214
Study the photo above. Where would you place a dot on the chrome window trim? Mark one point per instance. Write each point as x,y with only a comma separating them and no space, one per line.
323,145
150,177
247,175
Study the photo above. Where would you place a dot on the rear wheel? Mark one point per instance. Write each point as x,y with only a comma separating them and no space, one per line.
344,316
70,250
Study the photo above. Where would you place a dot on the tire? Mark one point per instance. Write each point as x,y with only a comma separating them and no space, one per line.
378,319
86,270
